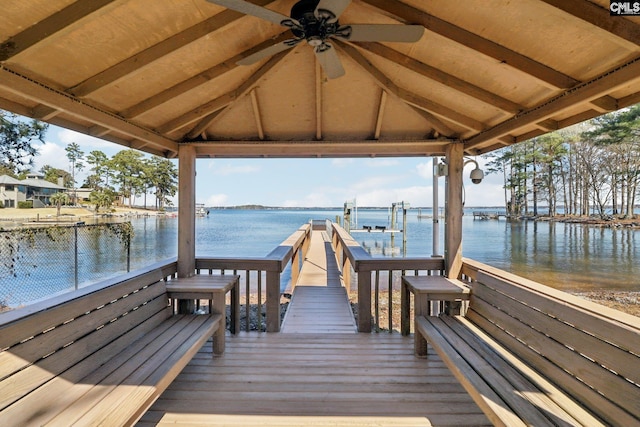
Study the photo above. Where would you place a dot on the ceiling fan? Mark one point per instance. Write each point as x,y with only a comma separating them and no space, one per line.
316,21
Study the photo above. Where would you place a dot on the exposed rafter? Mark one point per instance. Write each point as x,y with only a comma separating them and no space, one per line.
157,51
49,26
239,92
407,96
599,17
256,113
586,92
20,85
441,77
513,59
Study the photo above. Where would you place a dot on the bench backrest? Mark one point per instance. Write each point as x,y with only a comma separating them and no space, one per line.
593,356
41,345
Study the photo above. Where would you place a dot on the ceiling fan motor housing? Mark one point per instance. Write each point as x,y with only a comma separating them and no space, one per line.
314,30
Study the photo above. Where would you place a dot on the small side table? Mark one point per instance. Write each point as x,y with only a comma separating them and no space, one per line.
426,289
214,288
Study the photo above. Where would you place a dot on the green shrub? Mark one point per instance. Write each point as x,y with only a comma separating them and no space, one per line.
27,204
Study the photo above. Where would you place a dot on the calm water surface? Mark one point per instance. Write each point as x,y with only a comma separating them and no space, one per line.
565,256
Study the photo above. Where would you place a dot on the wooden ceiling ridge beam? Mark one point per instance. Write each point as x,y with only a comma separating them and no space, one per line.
50,26
199,79
584,93
599,17
410,98
157,51
318,81
42,94
316,149
440,76
473,41
211,115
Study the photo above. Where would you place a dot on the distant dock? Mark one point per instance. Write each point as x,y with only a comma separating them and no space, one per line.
484,215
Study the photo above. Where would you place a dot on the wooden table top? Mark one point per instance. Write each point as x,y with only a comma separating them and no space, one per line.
435,285
203,283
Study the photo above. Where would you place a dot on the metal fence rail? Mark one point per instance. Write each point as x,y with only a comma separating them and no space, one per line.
37,262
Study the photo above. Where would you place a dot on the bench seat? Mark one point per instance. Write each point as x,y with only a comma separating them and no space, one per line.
100,359
531,357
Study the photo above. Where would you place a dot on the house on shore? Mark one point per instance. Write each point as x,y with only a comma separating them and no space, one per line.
33,188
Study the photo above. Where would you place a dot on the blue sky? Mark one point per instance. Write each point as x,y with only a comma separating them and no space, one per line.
297,182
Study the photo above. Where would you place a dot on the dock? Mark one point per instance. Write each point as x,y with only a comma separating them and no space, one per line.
318,371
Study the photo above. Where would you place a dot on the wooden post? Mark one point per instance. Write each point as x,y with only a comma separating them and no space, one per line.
273,301
295,268
186,219
364,301
453,211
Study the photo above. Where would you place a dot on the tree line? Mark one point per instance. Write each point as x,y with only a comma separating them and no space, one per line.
592,168
128,174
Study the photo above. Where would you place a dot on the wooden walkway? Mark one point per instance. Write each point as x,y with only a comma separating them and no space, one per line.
319,303
275,379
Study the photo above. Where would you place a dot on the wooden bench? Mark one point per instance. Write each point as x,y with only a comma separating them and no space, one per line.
532,355
96,356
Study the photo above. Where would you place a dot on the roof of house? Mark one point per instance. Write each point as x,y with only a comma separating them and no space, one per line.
152,75
6,179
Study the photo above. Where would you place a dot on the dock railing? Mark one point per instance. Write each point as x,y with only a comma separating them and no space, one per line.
372,273
260,276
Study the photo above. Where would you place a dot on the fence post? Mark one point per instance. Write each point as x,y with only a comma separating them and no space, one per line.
128,243
75,244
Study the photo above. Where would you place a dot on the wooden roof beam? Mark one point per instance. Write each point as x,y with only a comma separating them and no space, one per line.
409,97
441,77
157,51
199,79
210,111
49,26
318,79
599,17
380,116
500,53
38,92
586,92
319,149
256,113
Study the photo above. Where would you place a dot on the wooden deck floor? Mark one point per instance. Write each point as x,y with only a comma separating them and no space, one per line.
315,380
319,303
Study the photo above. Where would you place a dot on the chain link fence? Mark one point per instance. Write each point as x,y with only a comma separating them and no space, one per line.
39,262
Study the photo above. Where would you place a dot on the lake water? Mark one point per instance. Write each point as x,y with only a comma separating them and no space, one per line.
566,256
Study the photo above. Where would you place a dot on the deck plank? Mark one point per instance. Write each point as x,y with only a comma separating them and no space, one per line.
315,379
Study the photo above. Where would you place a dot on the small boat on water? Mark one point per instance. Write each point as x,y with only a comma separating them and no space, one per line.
200,210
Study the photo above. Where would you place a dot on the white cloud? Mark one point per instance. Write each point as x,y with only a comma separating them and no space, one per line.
342,163
86,142
382,163
227,169
425,170
216,200
51,154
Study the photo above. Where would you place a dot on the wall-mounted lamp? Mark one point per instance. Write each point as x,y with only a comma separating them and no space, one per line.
477,175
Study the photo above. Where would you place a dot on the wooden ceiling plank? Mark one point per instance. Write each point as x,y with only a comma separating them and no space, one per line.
157,51
256,114
548,125
199,79
381,107
599,17
239,92
500,53
586,92
49,26
409,97
629,100
202,111
99,131
26,87
319,149
441,77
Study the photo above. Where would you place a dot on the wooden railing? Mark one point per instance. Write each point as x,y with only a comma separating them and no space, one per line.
371,272
260,276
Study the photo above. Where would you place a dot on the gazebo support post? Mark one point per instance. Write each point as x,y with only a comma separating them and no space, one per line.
186,219
453,210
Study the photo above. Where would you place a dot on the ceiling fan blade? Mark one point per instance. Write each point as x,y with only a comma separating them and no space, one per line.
330,62
385,33
264,53
252,9
336,7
